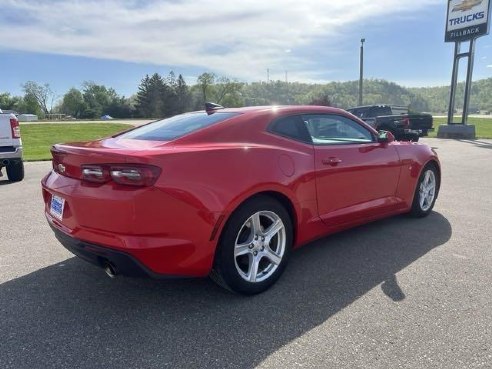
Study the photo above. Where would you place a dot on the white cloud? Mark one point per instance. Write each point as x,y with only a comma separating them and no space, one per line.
239,39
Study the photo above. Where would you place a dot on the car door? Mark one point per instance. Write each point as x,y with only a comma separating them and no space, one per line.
356,176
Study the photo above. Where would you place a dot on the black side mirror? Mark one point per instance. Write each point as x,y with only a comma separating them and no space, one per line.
385,137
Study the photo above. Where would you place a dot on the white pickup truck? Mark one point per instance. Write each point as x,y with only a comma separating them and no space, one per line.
11,147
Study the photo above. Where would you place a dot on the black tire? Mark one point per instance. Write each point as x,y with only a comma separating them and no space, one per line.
423,208
230,270
15,171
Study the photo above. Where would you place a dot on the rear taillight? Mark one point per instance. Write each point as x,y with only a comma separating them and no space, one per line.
95,173
124,174
405,122
135,176
14,126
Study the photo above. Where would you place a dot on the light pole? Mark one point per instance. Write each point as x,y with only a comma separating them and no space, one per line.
361,76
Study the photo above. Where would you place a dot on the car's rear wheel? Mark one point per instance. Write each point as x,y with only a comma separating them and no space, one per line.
426,192
254,248
15,171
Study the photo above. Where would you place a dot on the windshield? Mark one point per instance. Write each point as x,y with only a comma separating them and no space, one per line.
177,126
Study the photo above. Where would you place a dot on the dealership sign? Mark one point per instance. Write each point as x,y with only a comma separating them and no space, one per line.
467,19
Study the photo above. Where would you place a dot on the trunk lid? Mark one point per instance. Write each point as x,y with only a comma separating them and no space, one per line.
68,158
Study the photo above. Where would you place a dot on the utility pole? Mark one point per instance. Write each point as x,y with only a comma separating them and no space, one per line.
286,77
361,75
268,75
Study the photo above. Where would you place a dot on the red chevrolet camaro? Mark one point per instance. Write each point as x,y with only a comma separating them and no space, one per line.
230,192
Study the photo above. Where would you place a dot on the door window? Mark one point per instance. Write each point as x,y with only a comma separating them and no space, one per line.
335,130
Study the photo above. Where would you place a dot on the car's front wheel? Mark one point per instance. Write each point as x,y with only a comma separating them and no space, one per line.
254,248
426,192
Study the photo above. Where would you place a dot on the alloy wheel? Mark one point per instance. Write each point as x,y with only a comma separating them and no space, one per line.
260,246
427,190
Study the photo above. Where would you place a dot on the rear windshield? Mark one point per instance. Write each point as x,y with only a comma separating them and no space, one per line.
177,126
398,110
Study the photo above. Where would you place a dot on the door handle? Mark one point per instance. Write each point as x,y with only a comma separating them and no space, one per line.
333,161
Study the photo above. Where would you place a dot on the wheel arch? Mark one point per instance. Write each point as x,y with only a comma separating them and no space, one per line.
279,196
288,205
435,163
416,209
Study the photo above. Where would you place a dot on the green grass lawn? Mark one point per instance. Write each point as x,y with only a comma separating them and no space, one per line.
37,139
483,126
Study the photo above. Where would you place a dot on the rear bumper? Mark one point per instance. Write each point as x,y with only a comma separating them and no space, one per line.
123,263
413,132
420,132
162,236
15,154
400,132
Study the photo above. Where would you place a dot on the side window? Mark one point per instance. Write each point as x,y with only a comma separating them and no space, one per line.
373,112
381,110
335,130
398,110
357,112
291,127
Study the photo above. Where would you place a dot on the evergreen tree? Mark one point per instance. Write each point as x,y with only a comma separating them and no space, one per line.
183,96
143,98
151,97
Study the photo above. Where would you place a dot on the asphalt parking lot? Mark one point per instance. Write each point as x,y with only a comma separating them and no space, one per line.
398,293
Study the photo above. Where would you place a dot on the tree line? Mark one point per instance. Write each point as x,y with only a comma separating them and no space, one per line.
162,96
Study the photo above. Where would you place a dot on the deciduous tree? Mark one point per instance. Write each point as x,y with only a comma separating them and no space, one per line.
44,96
73,103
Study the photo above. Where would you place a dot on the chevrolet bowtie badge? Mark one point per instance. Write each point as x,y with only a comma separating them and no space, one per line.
467,5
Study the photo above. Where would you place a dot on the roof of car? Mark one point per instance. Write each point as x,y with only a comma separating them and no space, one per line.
282,108
377,106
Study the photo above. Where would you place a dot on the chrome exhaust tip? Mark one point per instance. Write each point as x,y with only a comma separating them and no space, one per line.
110,270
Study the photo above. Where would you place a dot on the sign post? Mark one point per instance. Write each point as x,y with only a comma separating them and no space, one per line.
361,66
466,21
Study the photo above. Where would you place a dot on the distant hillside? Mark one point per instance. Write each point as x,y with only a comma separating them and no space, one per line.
340,94
345,94
437,98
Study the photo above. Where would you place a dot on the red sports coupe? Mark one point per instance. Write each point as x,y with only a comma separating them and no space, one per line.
230,192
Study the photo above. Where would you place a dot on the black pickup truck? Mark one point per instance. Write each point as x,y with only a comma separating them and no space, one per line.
396,119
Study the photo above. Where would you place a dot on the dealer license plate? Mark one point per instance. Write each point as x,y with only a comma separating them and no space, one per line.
56,207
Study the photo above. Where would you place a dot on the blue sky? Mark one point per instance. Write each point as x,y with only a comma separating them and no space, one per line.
116,43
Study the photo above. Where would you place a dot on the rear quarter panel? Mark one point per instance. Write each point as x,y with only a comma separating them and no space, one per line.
239,160
219,177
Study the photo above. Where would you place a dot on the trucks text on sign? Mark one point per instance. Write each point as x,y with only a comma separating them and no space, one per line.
467,19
